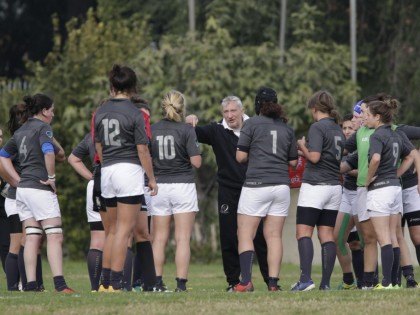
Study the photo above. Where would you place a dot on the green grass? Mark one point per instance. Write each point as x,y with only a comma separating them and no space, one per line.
206,296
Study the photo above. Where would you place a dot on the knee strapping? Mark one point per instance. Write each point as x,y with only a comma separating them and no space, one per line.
53,229
33,230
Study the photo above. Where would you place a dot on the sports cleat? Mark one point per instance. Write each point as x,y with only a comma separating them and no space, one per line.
180,290
397,287
275,288
112,290
244,288
230,288
345,286
66,290
160,287
137,289
367,287
379,286
303,286
412,284
102,288
324,287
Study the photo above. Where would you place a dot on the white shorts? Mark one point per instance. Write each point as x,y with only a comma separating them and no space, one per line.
386,200
122,180
349,202
264,201
36,203
92,216
174,199
322,197
10,207
410,200
362,213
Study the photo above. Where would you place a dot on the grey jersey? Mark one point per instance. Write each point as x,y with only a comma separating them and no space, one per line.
327,138
11,192
173,144
85,148
119,127
27,143
350,182
391,147
271,144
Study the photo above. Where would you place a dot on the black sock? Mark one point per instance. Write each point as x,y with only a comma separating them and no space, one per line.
39,278
137,269
387,258
116,279
21,265
31,286
348,278
181,284
273,282
60,283
245,260
306,255
357,260
159,280
396,266
106,277
328,251
128,270
418,253
408,272
376,275
12,272
146,265
368,279
94,262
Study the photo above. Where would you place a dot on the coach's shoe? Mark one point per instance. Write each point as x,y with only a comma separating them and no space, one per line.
379,286
412,284
345,286
244,288
303,286
102,288
66,290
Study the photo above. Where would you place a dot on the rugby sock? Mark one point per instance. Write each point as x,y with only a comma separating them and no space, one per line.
181,284
12,272
328,259
128,270
418,253
245,260
146,264
376,275
159,280
31,286
39,278
408,272
106,277
387,258
368,279
396,266
94,263
348,278
21,265
273,282
116,279
60,283
306,255
357,260
137,269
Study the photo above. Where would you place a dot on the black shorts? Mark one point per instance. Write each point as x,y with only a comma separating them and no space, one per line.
96,226
98,200
353,236
15,224
412,218
312,216
130,200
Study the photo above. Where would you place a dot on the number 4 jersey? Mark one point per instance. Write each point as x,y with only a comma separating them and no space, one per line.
173,144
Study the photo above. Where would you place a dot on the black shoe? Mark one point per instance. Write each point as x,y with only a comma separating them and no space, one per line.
160,287
230,287
412,284
180,290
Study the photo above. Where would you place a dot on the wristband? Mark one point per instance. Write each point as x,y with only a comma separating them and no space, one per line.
51,176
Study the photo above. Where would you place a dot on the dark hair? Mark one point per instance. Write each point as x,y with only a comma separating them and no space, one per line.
18,115
377,97
35,104
387,109
347,117
272,110
140,102
324,102
123,79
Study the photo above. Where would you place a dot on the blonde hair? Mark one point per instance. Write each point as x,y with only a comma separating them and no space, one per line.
173,106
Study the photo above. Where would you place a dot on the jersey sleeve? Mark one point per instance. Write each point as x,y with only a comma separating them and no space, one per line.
375,145
315,139
140,136
293,151
82,149
11,147
245,137
192,143
412,132
45,135
352,160
407,146
351,143
205,134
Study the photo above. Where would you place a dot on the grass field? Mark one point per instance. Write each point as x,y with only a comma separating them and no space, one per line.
206,296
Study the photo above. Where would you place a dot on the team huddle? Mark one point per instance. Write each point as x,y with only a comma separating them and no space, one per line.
359,187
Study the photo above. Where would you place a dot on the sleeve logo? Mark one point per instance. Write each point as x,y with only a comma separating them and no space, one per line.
49,134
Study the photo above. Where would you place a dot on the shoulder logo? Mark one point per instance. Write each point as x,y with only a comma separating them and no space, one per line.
49,134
